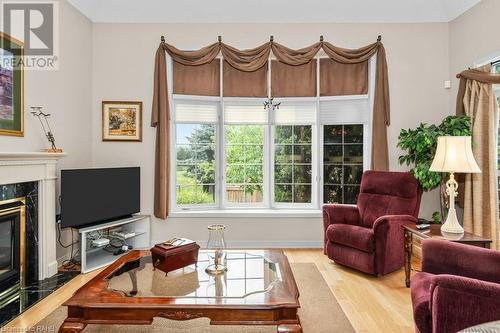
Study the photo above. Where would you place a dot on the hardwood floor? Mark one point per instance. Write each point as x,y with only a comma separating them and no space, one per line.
371,304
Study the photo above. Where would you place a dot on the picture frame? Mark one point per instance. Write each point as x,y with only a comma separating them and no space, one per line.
11,86
122,121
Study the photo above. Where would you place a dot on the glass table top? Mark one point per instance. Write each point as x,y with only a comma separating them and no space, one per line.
249,274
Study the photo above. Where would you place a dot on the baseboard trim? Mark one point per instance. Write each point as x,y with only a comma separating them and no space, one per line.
262,244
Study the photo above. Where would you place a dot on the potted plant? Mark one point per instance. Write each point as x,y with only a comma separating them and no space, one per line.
420,144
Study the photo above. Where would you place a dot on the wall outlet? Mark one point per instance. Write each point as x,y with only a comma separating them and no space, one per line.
447,84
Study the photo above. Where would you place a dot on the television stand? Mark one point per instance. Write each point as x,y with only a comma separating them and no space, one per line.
96,253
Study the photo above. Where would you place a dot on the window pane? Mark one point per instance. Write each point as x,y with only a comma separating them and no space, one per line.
244,163
352,174
235,174
353,134
283,193
234,154
186,195
333,194
353,153
333,174
186,175
302,154
185,154
253,193
351,194
254,153
292,164
302,174
332,154
283,174
283,134
206,173
195,169
302,134
302,193
205,194
235,193
283,154
254,174
204,153
343,158
333,134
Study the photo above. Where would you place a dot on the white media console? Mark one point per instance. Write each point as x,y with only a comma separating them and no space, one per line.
96,252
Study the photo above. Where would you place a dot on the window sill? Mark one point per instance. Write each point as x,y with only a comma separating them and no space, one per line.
231,213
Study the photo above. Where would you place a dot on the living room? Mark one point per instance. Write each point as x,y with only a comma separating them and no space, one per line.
319,167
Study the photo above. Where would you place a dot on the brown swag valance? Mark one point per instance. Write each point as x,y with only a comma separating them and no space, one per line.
250,61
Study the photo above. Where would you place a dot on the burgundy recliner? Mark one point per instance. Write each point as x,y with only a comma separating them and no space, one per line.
369,236
459,287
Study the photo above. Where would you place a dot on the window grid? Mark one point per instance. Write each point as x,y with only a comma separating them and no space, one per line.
337,188
239,188
317,184
190,187
295,150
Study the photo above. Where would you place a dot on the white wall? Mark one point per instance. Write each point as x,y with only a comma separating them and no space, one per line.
65,93
123,57
474,38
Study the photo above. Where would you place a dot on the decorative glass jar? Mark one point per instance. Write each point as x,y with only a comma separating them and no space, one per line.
216,247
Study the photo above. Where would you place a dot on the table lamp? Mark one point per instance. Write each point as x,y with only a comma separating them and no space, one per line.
453,154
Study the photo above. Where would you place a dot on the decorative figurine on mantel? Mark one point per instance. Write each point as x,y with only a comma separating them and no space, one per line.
37,112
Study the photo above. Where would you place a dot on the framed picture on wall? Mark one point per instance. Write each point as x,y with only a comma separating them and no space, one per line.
11,86
121,121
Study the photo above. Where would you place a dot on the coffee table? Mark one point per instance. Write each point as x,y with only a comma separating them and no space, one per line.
257,289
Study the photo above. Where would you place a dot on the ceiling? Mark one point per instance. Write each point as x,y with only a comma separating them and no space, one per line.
268,11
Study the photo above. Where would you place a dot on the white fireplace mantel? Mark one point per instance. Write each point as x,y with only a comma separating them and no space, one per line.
19,167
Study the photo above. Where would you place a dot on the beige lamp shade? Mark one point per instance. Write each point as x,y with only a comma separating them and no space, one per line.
454,154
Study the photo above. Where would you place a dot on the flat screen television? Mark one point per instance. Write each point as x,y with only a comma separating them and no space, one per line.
91,196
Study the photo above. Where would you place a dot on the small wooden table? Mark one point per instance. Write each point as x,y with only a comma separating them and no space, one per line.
257,289
434,231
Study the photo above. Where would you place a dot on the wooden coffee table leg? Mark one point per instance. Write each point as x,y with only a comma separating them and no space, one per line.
71,327
289,328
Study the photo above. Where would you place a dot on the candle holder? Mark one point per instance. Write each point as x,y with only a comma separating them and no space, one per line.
216,250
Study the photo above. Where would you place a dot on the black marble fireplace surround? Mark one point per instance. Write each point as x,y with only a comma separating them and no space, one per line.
33,290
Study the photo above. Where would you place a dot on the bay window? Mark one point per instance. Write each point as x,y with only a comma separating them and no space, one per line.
234,153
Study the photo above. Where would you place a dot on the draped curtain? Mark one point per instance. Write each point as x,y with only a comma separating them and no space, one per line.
252,60
477,100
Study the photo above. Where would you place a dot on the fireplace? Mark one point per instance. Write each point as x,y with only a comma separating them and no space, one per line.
12,245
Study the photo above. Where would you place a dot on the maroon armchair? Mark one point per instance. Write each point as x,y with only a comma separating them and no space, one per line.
459,287
369,236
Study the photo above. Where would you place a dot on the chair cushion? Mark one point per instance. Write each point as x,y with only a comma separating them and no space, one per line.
352,235
420,296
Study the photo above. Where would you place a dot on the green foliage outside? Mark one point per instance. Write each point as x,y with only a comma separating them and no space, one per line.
420,145
196,167
244,154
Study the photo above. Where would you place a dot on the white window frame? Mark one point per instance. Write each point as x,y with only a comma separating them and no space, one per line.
317,178
314,158
173,152
265,159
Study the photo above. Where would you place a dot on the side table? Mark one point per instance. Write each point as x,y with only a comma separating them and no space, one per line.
434,231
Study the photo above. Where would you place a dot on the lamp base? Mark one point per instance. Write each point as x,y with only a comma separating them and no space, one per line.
451,224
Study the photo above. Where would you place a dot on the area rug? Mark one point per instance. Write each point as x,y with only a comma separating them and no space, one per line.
319,313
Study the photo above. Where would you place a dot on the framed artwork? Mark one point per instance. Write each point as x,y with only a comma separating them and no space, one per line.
11,86
121,121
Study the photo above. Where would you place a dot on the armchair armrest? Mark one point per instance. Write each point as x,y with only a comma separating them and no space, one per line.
389,241
445,257
458,303
336,213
